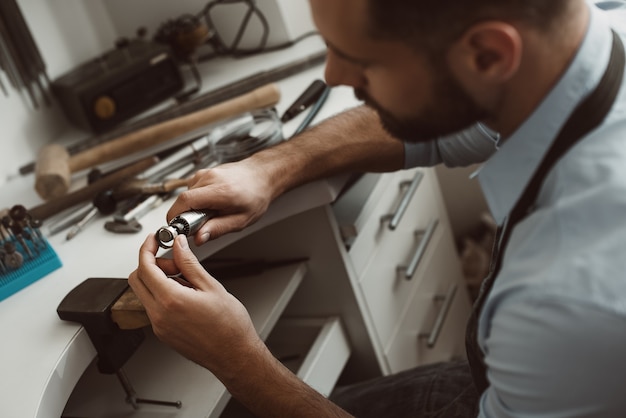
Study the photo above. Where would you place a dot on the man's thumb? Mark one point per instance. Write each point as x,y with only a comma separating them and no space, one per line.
187,262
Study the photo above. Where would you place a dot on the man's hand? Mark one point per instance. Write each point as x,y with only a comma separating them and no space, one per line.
240,192
237,192
200,320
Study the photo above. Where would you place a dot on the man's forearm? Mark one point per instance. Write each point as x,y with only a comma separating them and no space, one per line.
353,141
268,389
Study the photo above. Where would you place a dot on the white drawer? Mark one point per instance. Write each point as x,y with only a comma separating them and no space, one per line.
315,349
386,288
433,324
397,263
374,230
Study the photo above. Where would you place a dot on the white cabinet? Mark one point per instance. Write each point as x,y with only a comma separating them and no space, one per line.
408,272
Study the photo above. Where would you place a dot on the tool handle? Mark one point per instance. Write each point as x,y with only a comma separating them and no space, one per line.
137,187
56,205
261,97
165,186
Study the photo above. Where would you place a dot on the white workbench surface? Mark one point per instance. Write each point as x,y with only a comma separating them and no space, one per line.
41,356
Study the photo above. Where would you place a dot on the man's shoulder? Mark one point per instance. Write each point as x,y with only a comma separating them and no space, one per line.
549,354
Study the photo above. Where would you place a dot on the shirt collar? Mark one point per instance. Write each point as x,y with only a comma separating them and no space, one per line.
505,175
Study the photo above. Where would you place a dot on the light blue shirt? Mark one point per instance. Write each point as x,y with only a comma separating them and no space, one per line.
553,328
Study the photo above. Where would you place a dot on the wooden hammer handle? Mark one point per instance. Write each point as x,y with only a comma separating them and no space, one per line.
58,204
261,97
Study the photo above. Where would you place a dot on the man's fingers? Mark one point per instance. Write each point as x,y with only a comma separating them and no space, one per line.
167,265
220,225
149,246
189,266
140,289
187,200
149,272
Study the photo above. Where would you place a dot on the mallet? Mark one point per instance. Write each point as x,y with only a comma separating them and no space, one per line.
55,166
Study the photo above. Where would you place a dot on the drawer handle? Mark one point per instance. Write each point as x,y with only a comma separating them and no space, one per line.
395,218
426,235
441,317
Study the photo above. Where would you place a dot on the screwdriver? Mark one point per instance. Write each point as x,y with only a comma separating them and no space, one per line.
103,203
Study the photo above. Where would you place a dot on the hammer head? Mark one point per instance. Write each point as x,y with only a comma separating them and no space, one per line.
90,304
52,172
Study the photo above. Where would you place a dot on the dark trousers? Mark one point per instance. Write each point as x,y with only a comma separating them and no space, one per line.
442,390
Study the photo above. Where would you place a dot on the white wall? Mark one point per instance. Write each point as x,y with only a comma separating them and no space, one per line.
67,32
287,19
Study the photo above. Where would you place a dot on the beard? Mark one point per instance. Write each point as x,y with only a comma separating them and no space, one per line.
451,110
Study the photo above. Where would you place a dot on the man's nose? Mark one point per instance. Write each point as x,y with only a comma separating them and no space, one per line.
341,72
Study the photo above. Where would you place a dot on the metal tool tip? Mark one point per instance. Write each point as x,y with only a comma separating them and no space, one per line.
165,236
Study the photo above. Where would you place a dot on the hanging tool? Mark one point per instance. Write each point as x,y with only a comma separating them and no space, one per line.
55,166
19,55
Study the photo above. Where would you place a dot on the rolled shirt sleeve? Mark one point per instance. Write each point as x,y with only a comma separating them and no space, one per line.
473,145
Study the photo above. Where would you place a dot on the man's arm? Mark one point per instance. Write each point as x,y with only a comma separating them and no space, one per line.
353,141
551,356
209,326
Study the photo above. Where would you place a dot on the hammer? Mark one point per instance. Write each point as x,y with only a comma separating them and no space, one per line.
54,165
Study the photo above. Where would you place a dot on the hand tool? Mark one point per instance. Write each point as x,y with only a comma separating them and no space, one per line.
58,204
178,159
187,223
69,219
199,102
306,99
128,222
113,317
103,204
165,186
321,99
54,164
200,150
78,226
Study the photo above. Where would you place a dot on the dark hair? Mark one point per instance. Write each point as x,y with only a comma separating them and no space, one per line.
437,23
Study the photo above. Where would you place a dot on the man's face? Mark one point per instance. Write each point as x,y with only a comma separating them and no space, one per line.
416,98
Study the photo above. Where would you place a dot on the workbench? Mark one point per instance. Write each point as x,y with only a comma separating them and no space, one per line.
349,306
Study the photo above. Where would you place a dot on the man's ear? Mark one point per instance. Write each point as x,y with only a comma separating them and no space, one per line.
487,53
